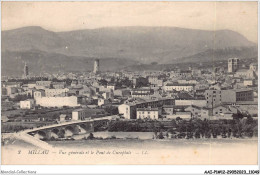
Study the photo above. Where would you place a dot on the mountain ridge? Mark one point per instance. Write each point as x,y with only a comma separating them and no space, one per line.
137,44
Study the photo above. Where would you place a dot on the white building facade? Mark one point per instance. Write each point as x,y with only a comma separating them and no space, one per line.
71,101
148,113
27,104
178,87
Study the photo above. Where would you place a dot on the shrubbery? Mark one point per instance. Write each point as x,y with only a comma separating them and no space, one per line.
194,128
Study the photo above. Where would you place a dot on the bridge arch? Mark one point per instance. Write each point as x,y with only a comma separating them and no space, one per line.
69,131
61,133
70,128
83,126
54,133
55,130
42,135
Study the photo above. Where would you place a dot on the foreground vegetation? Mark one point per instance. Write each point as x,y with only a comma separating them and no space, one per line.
194,128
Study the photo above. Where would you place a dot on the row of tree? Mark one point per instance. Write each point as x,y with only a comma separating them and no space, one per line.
194,128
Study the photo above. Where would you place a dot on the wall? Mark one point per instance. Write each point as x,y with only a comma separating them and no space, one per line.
228,96
213,97
147,114
129,112
183,116
54,92
71,101
27,104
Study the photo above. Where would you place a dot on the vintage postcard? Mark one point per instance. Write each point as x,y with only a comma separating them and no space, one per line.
132,83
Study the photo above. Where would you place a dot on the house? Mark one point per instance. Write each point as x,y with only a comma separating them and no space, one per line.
178,87
43,84
12,84
218,112
181,73
11,90
87,113
4,91
58,85
184,81
4,118
248,82
27,104
29,92
111,86
246,73
39,93
122,92
74,83
213,97
31,85
195,110
154,80
80,114
128,109
108,95
64,117
56,92
102,102
75,91
167,110
142,92
148,113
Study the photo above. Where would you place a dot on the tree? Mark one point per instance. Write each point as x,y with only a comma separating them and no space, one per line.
160,136
112,80
161,126
173,123
178,119
249,120
112,110
197,133
155,131
154,63
19,98
103,82
91,136
170,131
29,95
229,132
124,83
237,116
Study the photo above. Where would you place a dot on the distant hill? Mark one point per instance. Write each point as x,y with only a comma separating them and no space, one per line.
45,62
220,54
135,44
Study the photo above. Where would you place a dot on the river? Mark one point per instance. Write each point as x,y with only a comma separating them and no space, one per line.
140,140
137,151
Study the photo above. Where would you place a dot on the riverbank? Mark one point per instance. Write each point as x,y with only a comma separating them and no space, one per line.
105,135
147,151
124,139
151,143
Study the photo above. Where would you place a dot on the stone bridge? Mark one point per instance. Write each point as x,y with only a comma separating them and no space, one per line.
68,129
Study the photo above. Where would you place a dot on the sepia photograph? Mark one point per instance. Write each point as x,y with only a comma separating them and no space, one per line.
129,83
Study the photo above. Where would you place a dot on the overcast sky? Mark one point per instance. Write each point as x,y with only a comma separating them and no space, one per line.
65,16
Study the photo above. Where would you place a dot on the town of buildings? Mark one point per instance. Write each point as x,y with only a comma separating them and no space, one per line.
205,93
